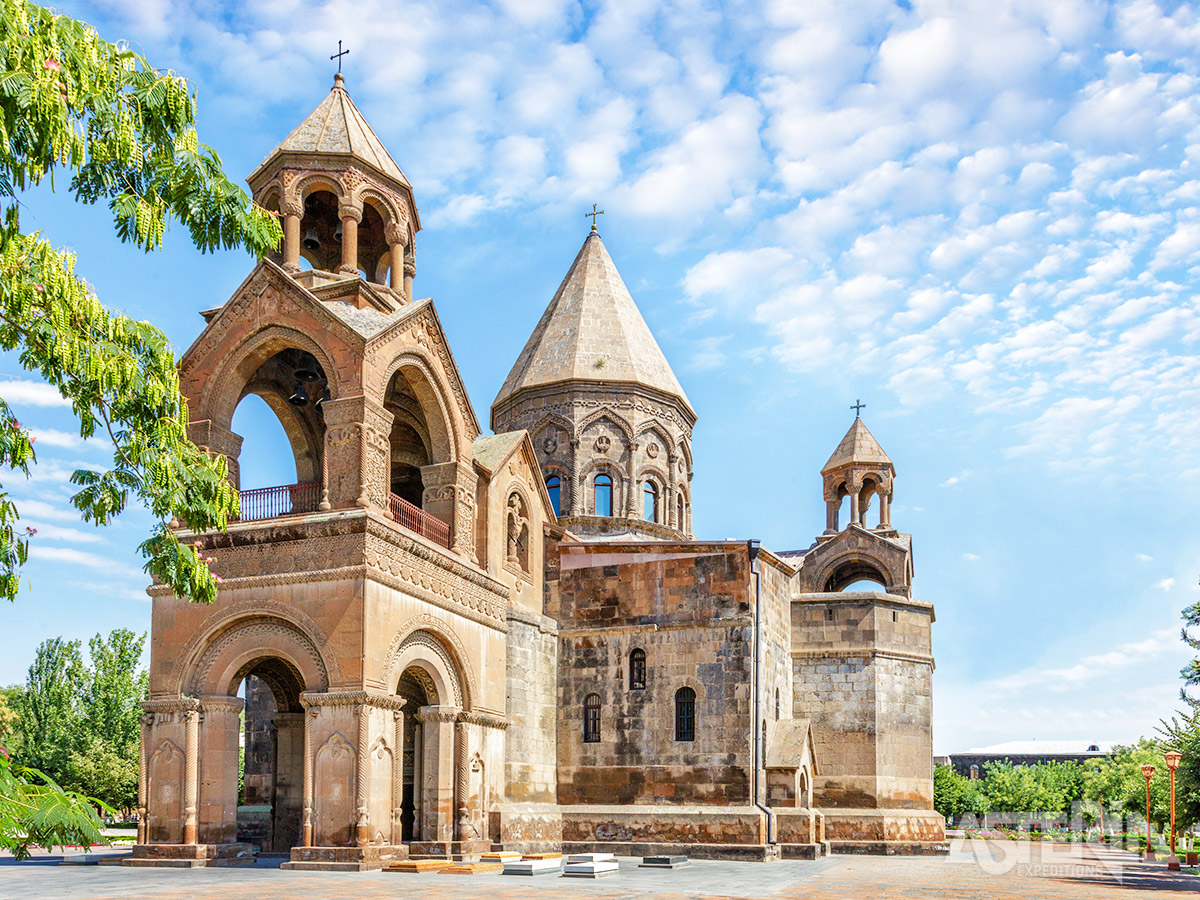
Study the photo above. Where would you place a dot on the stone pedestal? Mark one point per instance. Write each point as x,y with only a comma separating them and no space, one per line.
190,856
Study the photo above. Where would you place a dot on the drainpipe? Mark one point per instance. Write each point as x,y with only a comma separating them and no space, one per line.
756,726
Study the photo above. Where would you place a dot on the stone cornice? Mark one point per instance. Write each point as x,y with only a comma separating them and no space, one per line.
485,719
170,705
319,699
438,714
863,653
587,394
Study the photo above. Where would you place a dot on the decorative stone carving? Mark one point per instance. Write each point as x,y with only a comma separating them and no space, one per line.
652,450
603,443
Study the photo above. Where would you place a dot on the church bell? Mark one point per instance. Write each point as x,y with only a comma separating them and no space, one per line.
310,239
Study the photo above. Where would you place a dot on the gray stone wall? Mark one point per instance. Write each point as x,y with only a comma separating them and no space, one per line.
529,746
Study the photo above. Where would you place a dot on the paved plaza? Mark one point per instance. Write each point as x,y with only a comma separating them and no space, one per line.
993,870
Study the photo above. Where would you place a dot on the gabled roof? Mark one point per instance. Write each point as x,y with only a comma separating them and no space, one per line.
858,447
790,745
592,331
336,126
490,451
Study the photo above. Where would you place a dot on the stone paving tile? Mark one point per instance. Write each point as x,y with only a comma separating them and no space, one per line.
997,871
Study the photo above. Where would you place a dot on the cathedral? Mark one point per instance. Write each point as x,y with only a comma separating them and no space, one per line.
439,642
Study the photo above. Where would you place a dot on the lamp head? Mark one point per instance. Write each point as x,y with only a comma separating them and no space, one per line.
1147,772
1173,759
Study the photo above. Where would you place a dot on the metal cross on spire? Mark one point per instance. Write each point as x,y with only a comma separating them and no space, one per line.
858,407
595,212
338,56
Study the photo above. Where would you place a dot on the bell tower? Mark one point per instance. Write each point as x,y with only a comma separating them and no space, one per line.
347,209
860,470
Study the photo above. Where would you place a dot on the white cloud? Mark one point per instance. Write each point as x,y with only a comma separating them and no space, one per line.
20,392
50,532
50,437
972,557
1143,557
1165,584
101,564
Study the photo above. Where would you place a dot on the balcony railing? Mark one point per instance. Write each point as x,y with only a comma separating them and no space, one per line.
282,500
416,519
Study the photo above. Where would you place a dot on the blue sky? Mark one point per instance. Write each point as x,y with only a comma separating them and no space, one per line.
982,218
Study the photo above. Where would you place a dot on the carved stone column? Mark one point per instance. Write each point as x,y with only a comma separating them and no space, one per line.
575,501
208,435
191,786
462,773
410,269
362,775
632,492
397,240
291,236
310,718
357,452
144,722
350,216
450,495
885,509
397,776
438,772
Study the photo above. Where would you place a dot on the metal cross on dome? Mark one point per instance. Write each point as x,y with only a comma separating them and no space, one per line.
338,56
858,407
595,212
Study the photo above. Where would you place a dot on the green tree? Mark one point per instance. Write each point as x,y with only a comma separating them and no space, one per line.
123,132
116,684
50,707
36,812
1047,788
1120,786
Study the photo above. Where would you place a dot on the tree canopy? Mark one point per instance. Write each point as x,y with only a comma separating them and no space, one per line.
123,132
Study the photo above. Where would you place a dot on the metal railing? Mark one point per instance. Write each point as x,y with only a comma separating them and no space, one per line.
282,500
417,520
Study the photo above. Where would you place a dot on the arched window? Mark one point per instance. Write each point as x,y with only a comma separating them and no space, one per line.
554,489
650,500
679,523
637,669
776,703
685,714
591,719
603,495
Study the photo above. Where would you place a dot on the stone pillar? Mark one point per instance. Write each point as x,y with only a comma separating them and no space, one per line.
398,776
362,768
357,452
631,492
438,772
291,236
144,721
397,239
350,217
208,435
289,779
310,719
410,270
462,779
220,728
854,520
576,507
832,507
191,786
885,510
450,495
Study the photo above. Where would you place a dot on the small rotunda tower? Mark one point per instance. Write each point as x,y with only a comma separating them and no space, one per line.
609,420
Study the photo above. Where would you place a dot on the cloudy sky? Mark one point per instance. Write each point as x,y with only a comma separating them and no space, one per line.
982,218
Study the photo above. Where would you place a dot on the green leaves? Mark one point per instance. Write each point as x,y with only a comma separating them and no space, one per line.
36,812
125,131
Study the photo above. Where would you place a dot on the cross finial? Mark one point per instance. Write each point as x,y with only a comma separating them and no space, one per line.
858,407
595,212
338,56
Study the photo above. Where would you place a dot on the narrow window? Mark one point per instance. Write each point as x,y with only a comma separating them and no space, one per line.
554,489
637,670
685,714
603,498
679,513
650,499
829,614
776,703
591,719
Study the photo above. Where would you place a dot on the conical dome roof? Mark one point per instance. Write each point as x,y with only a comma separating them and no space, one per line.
336,126
592,331
858,447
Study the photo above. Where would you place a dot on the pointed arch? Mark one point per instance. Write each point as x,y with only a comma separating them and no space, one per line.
436,399
621,423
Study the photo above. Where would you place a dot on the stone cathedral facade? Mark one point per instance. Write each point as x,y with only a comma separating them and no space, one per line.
438,642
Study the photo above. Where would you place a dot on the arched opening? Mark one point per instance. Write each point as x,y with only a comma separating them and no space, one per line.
637,670
417,689
602,500
591,719
554,489
412,444
650,501
679,521
321,231
856,574
372,245
685,714
288,387
270,799
869,489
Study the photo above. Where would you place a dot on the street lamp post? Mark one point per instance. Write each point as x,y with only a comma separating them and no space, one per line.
1173,758
1148,773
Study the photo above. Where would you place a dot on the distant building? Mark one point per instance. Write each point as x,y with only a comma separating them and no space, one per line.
1025,753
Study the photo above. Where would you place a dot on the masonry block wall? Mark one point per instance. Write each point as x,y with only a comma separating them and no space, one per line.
688,607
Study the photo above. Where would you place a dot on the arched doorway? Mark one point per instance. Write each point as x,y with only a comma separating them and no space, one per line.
270,796
417,690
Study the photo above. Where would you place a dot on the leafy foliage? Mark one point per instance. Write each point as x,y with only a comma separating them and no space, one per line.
954,795
124,132
36,812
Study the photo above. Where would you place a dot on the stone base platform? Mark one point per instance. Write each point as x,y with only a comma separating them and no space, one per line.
739,852
416,866
886,832
472,868
459,851
190,856
344,859
804,851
